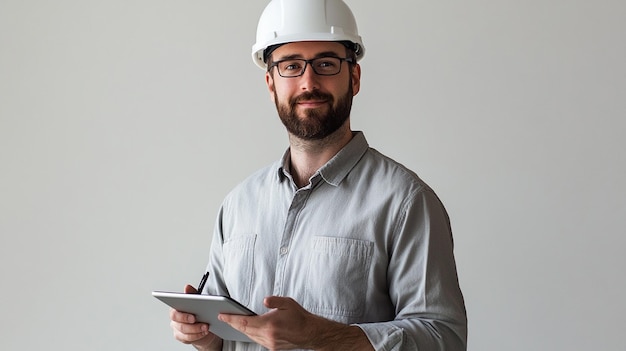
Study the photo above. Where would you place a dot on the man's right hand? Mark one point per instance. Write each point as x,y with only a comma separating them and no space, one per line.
188,331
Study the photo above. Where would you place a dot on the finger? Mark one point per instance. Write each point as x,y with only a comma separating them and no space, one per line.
190,289
226,318
182,317
236,321
277,302
186,328
181,333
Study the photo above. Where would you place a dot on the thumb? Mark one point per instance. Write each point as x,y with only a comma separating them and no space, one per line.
277,302
190,289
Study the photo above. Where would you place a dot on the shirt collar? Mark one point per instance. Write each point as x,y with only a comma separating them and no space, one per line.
338,167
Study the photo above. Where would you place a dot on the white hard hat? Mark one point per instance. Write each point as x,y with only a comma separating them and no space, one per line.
285,21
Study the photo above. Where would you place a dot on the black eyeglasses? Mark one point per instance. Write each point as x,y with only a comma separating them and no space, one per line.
323,66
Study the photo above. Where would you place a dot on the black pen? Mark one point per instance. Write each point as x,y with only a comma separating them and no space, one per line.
203,282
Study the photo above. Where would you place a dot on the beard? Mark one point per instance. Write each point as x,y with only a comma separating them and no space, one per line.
315,124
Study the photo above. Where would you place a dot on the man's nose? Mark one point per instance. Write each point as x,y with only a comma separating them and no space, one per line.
309,79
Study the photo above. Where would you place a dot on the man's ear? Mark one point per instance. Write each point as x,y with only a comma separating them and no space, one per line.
356,79
269,81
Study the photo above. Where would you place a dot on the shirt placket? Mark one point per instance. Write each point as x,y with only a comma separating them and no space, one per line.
290,230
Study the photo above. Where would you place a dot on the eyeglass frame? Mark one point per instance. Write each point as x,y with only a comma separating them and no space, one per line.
310,62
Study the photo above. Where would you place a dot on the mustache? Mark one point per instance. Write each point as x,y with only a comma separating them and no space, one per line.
312,95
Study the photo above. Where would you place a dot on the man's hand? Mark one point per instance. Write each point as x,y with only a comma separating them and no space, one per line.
289,326
187,331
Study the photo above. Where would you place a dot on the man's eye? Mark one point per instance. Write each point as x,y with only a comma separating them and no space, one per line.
291,66
326,64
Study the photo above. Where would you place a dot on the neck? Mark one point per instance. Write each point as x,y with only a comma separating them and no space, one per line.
307,156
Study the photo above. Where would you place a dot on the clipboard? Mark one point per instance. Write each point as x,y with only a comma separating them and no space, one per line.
206,308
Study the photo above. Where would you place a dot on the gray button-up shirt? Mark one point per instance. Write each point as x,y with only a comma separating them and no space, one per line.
366,242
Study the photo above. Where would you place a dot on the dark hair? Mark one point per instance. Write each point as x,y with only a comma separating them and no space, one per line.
351,50
268,51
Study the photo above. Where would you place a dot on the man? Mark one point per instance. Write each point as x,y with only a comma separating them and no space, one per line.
336,246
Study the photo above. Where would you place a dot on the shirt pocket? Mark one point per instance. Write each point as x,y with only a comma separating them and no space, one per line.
337,275
238,266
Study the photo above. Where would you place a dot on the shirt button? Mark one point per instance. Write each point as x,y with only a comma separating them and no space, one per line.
283,250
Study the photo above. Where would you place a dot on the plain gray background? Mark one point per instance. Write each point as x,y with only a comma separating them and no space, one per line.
124,123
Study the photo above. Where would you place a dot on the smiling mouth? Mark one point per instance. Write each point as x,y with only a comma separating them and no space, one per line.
312,103
312,100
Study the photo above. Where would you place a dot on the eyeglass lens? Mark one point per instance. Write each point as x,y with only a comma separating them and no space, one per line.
325,66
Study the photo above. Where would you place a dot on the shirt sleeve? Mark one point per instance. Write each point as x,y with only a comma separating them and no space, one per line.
423,283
